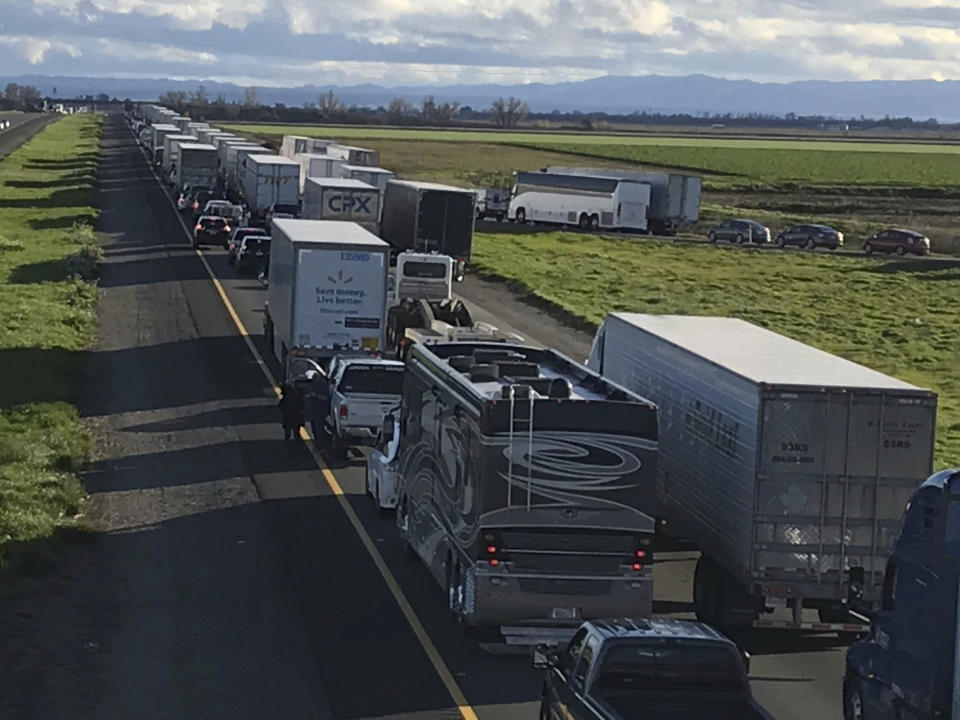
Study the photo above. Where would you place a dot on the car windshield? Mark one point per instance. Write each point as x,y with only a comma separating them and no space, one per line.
657,668
256,244
372,379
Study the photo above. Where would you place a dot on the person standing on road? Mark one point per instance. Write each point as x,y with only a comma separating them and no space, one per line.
291,411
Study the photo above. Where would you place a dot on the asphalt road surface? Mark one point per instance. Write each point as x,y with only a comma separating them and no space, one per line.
23,126
235,581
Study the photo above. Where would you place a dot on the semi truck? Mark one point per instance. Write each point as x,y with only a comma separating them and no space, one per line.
376,176
522,479
429,217
171,150
341,199
786,466
236,169
197,166
327,291
160,131
674,198
907,667
587,202
354,155
270,180
315,165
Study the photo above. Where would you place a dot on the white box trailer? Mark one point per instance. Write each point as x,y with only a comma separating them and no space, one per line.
194,128
197,166
353,155
181,122
223,151
376,176
341,199
236,166
293,145
587,202
674,198
270,180
318,166
327,291
171,149
788,467
158,130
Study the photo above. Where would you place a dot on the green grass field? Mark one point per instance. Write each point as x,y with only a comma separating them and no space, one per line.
48,260
726,163
898,316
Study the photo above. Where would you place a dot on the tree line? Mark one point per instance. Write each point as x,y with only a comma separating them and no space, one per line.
504,112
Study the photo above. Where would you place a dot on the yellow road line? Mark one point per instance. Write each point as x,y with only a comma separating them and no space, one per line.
446,677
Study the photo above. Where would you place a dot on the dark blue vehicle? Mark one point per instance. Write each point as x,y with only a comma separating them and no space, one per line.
904,670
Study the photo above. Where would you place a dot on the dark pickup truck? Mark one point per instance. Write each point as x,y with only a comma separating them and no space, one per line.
657,669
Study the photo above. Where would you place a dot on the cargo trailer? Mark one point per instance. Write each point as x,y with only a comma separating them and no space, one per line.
429,217
270,180
293,145
171,150
674,198
341,199
788,467
318,166
240,154
376,176
354,155
223,147
197,166
587,202
327,291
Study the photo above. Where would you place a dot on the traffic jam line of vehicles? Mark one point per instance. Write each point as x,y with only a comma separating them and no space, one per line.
538,490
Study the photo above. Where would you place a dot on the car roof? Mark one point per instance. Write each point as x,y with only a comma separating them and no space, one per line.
656,628
906,232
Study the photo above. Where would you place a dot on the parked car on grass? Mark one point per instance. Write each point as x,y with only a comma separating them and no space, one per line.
740,231
211,230
253,254
897,241
236,238
810,237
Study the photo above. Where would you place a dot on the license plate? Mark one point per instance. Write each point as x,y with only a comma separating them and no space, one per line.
564,613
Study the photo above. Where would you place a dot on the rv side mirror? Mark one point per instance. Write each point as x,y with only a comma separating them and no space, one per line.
388,428
544,657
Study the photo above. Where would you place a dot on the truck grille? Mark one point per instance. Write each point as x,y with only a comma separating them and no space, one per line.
561,586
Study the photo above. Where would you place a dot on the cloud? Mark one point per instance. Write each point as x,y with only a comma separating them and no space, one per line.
501,41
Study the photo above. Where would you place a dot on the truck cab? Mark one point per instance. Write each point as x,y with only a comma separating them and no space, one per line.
620,669
906,667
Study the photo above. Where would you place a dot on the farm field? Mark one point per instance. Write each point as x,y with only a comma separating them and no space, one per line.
48,259
860,309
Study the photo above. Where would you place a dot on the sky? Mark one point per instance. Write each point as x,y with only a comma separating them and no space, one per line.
399,42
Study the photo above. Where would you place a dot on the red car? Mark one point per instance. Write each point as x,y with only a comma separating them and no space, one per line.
897,241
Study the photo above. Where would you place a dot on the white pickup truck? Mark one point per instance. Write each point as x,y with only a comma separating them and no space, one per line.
361,392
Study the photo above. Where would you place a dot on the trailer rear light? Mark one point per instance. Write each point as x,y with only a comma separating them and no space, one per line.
638,566
491,549
226,228
197,227
493,562
343,412
640,554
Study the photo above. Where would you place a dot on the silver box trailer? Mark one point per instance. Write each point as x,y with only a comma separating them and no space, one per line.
674,198
197,166
270,180
354,155
240,154
327,291
788,467
158,132
341,199
293,145
181,122
171,149
319,166
376,176
224,154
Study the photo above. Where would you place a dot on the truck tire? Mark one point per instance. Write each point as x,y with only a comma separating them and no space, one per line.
853,708
521,216
705,593
584,221
594,222
455,597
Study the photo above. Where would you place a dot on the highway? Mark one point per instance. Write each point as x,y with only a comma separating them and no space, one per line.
245,576
23,126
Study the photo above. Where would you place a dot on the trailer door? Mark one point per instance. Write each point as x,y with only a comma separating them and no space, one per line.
446,222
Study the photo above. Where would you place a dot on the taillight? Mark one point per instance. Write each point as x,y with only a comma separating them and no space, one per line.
494,562
640,558
343,412
491,549
197,227
226,228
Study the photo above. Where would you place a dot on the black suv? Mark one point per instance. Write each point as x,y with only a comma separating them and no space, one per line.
810,237
211,230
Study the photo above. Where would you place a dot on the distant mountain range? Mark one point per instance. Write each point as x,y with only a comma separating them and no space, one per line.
919,99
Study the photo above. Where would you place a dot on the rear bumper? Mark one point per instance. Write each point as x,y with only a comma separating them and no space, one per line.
507,599
358,433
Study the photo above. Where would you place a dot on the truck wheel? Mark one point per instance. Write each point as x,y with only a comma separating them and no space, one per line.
594,222
521,215
853,699
455,597
705,593
584,221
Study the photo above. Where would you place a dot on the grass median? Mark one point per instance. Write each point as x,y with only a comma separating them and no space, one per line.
48,267
898,316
